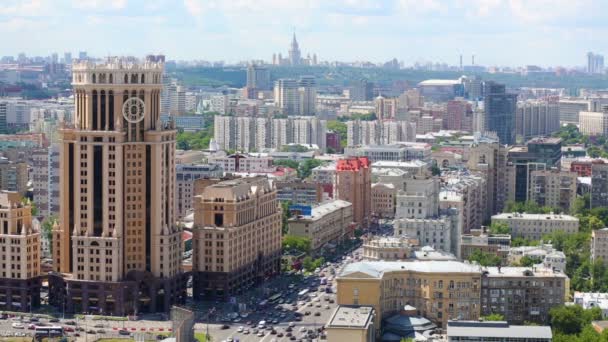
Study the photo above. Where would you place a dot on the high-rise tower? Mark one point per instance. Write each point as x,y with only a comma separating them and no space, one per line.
117,248
294,52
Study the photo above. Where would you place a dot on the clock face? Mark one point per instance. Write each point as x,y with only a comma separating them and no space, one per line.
133,110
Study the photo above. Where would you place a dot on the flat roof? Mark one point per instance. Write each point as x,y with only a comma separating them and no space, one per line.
435,82
351,317
499,329
525,216
376,269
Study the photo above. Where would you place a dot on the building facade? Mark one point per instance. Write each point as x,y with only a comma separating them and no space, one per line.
13,176
535,226
500,108
599,245
536,118
185,175
117,249
354,185
553,188
236,236
383,200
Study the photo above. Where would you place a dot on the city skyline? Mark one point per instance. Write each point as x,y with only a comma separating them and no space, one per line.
531,32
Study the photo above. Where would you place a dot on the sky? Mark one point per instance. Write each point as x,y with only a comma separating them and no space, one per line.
497,32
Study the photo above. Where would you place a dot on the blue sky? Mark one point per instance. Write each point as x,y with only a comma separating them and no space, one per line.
498,32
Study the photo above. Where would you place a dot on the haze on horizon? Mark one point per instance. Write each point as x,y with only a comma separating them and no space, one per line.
497,32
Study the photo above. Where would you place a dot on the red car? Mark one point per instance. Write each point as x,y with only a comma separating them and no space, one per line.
68,329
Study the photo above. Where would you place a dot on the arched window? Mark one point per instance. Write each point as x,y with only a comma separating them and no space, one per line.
94,79
126,79
143,80
111,79
134,78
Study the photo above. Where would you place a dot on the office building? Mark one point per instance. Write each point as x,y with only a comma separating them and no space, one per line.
239,162
3,117
536,118
354,185
20,278
185,175
440,290
287,96
553,188
499,331
117,249
328,224
361,90
237,236
500,108
299,192
441,90
536,226
593,123
397,152
595,63
351,323
522,294
569,109
599,245
307,89
599,184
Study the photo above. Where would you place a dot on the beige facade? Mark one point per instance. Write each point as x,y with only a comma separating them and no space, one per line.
117,189
388,248
237,236
20,254
440,290
535,226
599,245
593,123
330,222
13,176
553,188
383,200
352,324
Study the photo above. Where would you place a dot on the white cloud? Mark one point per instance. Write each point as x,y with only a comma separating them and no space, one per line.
100,4
194,7
24,8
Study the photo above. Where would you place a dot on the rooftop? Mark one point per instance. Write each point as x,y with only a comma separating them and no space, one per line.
498,329
525,216
508,272
322,210
353,164
351,317
376,269
435,82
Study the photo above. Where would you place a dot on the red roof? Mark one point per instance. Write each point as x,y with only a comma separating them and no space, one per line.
352,164
186,235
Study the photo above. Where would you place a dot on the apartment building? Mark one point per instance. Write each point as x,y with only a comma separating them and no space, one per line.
522,294
45,180
467,192
13,176
599,245
378,132
236,236
435,232
496,244
240,162
383,200
354,185
553,188
535,226
299,192
185,175
440,290
20,278
328,223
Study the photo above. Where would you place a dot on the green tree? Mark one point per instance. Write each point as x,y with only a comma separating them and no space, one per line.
485,259
306,167
286,215
297,243
47,230
528,261
340,128
287,163
499,228
572,319
435,170
519,241
494,317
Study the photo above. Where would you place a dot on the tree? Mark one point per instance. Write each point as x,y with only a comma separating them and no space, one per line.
572,319
494,317
287,163
306,167
47,230
297,243
286,214
499,228
435,170
340,128
485,259
528,261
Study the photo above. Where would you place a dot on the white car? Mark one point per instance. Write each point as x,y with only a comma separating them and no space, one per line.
246,331
302,329
261,334
240,329
18,326
292,324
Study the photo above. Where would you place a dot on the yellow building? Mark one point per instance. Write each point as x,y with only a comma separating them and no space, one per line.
352,324
440,290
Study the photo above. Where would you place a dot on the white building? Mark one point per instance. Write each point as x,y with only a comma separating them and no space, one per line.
593,123
589,300
362,133
434,232
535,226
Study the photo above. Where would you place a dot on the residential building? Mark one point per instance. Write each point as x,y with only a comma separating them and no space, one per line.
185,175
402,151
307,89
545,256
593,123
499,331
590,300
522,294
386,108
536,118
240,162
441,90
354,185
440,290
500,108
361,90
496,244
220,104
362,133
553,188
20,278
458,116
13,176
328,223
434,232
287,96
599,245
388,248
383,199
467,192
595,63
299,192
45,180
599,184
117,248
258,77
351,323
418,197
237,236
535,226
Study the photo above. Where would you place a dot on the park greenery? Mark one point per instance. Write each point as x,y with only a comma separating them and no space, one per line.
198,140
493,317
340,128
311,264
572,323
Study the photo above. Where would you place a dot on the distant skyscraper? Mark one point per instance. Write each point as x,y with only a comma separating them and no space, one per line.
67,58
3,115
117,238
82,55
500,110
294,52
258,78
307,87
362,90
287,96
595,63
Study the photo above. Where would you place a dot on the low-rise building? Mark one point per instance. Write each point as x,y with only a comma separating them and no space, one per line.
388,248
300,192
351,323
383,200
496,244
498,331
590,300
522,294
544,255
243,163
330,222
535,226
440,290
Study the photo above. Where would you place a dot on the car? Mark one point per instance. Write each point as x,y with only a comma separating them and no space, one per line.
288,334
261,334
160,337
289,329
310,304
299,319
249,323
91,332
327,307
331,301
34,319
70,323
240,329
317,313
77,334
292,338
18,326
307,313
98,326
123,332
302,329
31,326
318,305
54,320
225,326
68,329
255,331
101,331
292,324
230,339
280,334
273,332
246,331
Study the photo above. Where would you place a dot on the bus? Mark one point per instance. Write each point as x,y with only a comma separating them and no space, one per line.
49,331
303,294
274,298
